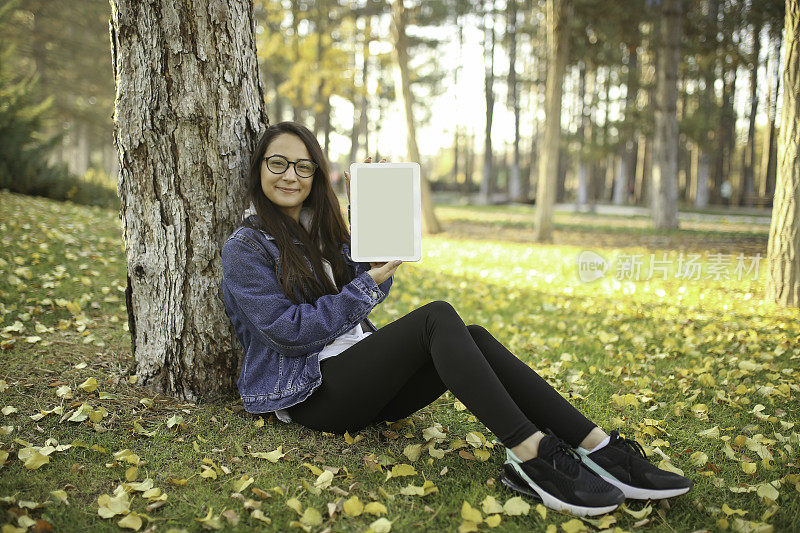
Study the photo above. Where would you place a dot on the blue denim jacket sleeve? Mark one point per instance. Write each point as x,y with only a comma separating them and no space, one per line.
293,329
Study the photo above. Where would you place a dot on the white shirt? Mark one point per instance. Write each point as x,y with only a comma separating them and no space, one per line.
343,341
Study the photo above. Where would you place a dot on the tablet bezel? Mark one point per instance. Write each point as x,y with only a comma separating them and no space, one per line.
417,211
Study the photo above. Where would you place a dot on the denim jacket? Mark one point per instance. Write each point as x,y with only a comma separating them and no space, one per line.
281,339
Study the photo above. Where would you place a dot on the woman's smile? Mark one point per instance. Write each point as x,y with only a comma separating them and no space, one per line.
288,191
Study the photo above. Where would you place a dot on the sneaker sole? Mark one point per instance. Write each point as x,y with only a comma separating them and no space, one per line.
510,479
631,492
550,501
638,493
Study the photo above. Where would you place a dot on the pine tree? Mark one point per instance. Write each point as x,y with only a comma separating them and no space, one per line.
24,166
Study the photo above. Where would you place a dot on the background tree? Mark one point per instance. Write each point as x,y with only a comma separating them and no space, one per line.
188,111
783,285
67,48
516,191
774,11
400,23
558,13
489,43
664,206
23,149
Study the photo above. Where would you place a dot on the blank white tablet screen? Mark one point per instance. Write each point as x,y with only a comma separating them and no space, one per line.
385,212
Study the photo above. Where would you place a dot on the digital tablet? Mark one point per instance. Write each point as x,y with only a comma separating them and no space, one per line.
385,212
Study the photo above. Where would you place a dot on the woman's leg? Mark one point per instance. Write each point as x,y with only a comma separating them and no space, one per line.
540,402
369,380
360,382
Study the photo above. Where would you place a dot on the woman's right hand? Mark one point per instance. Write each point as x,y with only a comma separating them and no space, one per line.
380,272
347,176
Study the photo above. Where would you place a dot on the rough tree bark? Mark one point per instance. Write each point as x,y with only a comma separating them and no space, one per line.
664,185
189,107
558,16
783,250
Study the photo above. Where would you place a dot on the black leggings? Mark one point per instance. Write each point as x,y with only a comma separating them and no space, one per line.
410,362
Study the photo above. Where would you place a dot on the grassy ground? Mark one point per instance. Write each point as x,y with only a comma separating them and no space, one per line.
698,370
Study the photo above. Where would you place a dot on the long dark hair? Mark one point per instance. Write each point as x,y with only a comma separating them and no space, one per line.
328,228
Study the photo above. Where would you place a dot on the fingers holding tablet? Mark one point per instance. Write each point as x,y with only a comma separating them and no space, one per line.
347,175
384,271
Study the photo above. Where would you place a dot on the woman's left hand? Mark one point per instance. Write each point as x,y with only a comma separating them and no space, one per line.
347,176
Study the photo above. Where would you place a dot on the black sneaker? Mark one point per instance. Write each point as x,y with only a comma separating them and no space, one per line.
560,481
624,464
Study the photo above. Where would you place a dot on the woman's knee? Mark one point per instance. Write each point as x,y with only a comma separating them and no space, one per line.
440,307
477,331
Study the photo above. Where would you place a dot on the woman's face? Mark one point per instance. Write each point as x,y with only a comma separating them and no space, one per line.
286,189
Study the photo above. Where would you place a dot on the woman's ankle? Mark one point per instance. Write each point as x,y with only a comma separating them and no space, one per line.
529,448
595,437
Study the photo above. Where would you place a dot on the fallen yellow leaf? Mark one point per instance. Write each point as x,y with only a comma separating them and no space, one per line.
490,505
311,517
375,508
131,521
90,385
470,514
381,525
516,506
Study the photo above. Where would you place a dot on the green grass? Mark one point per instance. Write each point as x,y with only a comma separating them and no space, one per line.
660,360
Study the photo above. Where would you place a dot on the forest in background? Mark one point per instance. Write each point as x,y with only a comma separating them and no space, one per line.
330,65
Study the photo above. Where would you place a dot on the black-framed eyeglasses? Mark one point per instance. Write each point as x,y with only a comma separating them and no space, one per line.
277,164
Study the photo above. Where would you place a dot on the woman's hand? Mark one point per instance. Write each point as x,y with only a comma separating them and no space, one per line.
380,272
347,176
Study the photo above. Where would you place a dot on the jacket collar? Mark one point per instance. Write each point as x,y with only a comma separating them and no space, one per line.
305,220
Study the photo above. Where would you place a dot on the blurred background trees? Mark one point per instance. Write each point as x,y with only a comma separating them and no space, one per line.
477,79
55,102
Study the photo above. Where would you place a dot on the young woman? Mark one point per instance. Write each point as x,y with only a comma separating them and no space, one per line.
300,307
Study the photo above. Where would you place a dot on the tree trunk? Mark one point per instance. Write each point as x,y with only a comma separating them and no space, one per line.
749,154
298,97
664,185
621,181
354,130
703,172
188,110
456,127
768,161
602,184
649,81
558,16
469,161
710,145
361,101
540,69
582,193
516,191
430,223
783,250
725,134
631,97
80,149
364,115
684,150
319,104
487,181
